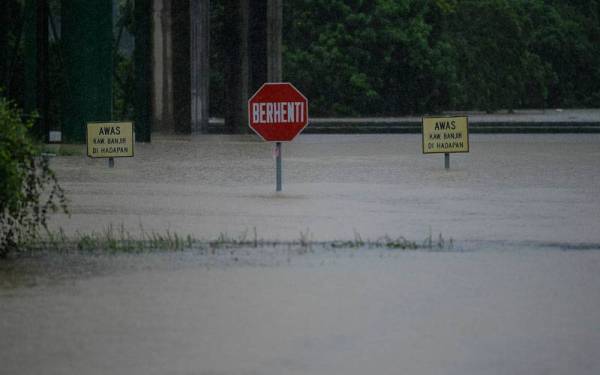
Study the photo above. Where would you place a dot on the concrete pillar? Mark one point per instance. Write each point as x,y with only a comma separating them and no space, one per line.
171,66
143,70
199,64
162,67
274,49
257,44
88,48
36,64
180,11
236,65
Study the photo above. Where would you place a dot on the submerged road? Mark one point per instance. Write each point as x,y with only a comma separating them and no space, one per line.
519,294
509,187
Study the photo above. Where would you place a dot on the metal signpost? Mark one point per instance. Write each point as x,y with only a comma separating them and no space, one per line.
110,140
445,135
278,112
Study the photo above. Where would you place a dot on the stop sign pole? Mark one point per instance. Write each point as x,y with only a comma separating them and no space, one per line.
278,167
278,112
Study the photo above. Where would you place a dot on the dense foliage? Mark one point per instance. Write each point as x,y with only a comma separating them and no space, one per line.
29,190
359,57
381,57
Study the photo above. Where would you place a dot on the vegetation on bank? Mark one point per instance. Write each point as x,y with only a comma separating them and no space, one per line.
29,190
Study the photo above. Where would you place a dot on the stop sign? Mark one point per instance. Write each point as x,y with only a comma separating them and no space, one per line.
278,112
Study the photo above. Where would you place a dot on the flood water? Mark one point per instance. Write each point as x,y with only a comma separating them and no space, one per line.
518,293
519,187
352,311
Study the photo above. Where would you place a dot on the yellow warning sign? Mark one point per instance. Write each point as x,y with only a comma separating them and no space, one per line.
445,134
110,139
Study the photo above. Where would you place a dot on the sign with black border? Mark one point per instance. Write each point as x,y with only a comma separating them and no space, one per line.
445,135
110,139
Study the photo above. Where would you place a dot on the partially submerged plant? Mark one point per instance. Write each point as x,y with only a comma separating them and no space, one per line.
29,190
117,239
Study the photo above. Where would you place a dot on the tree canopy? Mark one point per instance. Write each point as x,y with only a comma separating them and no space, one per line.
382,57
358,57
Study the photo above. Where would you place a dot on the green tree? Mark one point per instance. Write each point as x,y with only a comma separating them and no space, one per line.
355,57
29,190
496,68
566,35
362,57
367,57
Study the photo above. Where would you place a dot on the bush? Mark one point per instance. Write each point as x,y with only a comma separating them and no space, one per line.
29,190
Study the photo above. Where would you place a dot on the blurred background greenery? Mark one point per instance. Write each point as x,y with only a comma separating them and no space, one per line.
378,57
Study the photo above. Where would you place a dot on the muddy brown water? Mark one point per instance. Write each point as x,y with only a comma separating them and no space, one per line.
518,294
500,310
509,187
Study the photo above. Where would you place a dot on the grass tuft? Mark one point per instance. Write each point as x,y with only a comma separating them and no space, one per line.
119,240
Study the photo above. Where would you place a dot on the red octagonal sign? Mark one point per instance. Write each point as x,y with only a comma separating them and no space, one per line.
278,112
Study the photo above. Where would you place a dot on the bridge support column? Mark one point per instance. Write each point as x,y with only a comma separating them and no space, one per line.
87,38
236,65
143,70
36,61
274,29
199,64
